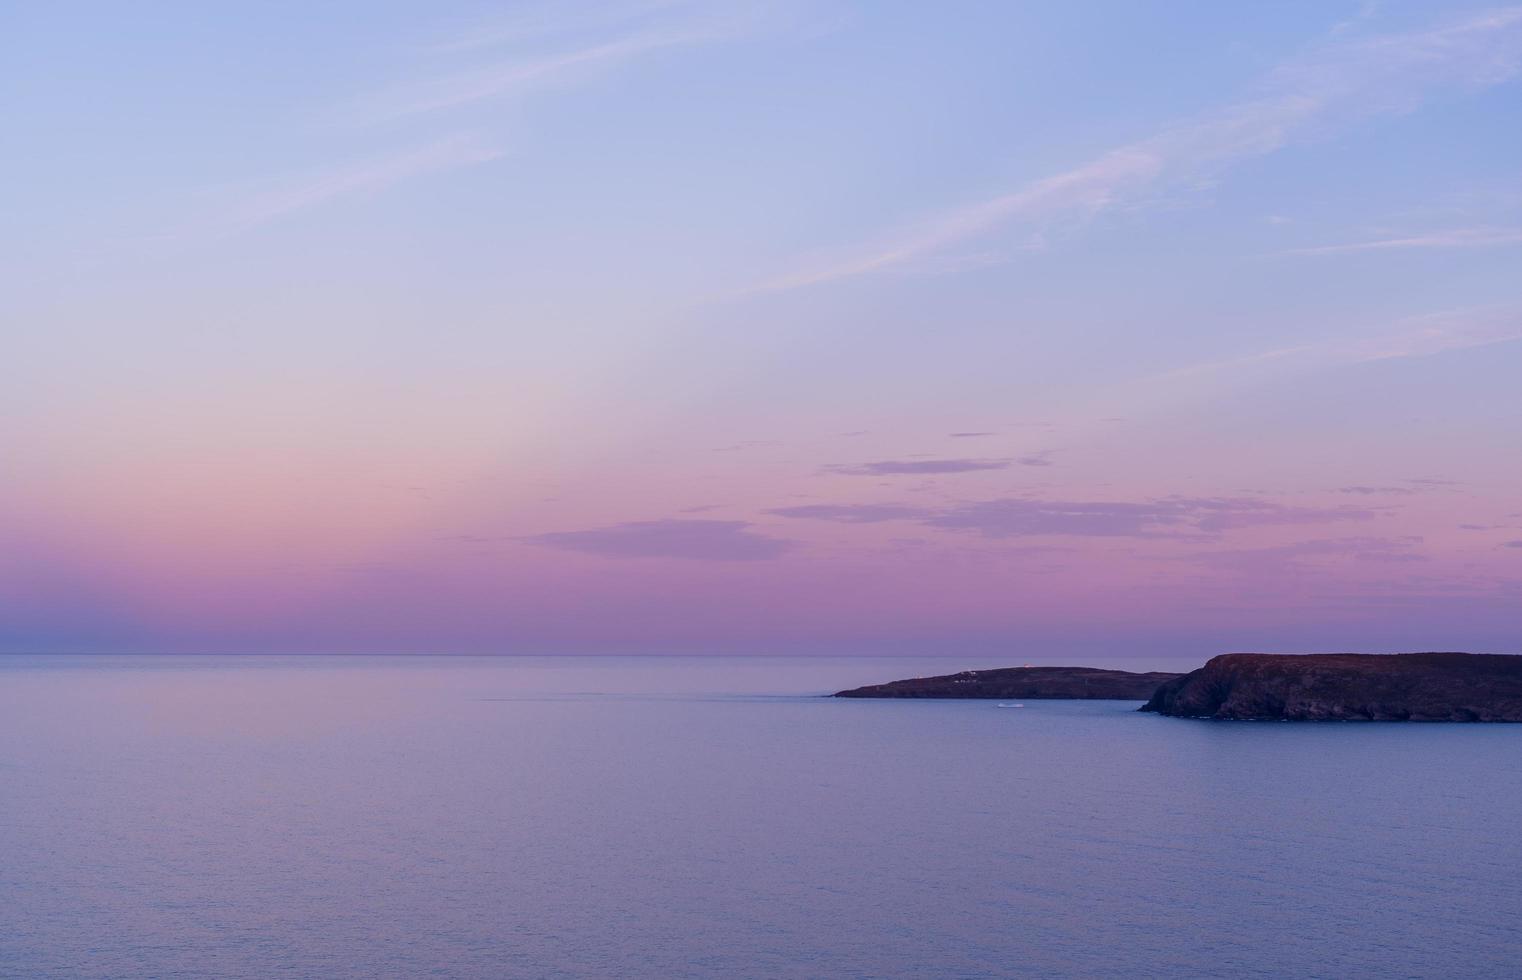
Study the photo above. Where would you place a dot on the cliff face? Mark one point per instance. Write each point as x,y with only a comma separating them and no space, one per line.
1348,687
1022,682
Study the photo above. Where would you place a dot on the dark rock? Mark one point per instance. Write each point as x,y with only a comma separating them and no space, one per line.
1022,682
1348,687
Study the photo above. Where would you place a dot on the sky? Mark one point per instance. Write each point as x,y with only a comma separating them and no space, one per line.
822,327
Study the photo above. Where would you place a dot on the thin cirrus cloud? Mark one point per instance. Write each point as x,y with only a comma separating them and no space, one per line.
1288,558
519,77
1014,517
535,21
1424,335
1340,81
1435,333
1019,517
643,27
919,467
646,27
370,176
852,513
1448,238
584,41
701,540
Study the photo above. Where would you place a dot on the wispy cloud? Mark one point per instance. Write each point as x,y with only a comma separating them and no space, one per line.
1210,515
514,78
282,198
1447,238
1280,560
1436,333
747,444
852,513
553,45
530,51
1424,335
531,22
921,467
1339,80
1024,517
692,539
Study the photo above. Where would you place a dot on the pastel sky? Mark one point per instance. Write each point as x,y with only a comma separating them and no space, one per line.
831,326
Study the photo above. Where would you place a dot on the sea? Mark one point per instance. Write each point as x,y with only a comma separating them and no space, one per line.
171,816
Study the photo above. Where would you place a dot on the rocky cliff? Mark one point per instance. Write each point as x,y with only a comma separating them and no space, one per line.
1348,687
1022,682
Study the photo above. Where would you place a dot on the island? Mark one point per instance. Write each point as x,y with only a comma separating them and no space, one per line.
1347,687
1089,683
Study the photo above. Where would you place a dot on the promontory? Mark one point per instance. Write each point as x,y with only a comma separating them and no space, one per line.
1035,683
1348,687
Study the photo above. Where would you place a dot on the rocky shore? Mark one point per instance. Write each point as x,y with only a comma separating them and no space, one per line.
1348,687
1023,682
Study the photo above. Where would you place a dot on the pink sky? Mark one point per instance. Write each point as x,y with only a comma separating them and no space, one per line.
766,329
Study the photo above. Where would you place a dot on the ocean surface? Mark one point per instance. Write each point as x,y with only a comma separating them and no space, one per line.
686,817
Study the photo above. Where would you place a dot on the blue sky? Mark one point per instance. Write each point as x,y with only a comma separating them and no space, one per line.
317,314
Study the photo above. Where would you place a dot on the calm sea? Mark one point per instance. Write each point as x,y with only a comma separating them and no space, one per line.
680,817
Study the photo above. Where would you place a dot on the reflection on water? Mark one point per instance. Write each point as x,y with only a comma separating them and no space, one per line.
252,817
